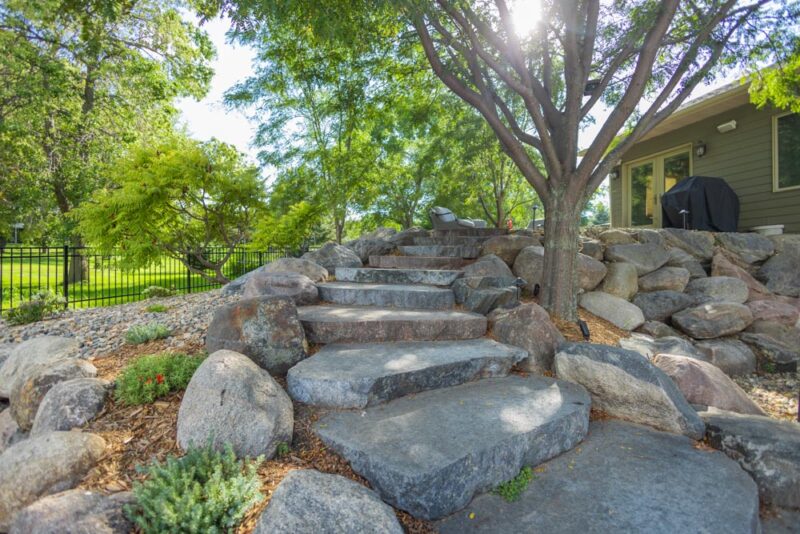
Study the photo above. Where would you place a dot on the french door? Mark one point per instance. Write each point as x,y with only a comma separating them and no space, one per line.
647,179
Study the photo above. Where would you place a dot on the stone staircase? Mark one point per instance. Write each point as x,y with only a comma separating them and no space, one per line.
427,410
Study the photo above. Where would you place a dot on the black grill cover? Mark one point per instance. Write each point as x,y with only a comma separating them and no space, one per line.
711,203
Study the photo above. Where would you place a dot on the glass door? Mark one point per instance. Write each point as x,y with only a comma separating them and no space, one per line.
649,178
643,194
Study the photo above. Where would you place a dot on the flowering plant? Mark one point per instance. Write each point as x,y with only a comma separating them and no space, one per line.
150,377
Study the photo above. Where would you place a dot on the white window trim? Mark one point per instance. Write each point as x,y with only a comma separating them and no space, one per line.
775,171
626,178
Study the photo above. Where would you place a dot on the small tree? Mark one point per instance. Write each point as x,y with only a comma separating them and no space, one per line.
176,198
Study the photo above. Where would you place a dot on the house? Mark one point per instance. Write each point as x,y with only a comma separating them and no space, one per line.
757,151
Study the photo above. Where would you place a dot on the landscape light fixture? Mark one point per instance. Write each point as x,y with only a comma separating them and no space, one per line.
536,289
584,329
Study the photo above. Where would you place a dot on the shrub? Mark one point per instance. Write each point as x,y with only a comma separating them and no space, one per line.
511,490
39,306
282,449
156,308
142,333
149,377
204,491
157,292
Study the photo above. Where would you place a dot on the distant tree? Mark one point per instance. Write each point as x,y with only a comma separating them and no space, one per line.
175,198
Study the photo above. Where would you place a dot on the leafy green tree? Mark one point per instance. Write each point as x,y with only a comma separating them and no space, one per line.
176,198
779,85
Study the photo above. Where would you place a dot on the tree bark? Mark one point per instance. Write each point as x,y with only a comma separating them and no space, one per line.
559,274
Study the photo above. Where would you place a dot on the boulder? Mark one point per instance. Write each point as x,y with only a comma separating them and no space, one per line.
5,352
623,478
624,384
489,265
310,502
649,235
528,327
788,335
306,267
650,347
366,247
721,265
464,286
621,281
784,242
406,237
661,305
265,329
772,355
749,247
331,256
485,300
781,275
698,244
774,311
29,390
615,310
615,236
590,272
665,279
36,351
658,329
592,248
530,264
731,355
232,400
680,258
645,257
9,430
75,512
768,449
70,404
715,319
381,232
507,247
718,289
297,287
705,384
43,465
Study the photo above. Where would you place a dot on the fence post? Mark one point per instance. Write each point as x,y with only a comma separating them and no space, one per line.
65,279
188,274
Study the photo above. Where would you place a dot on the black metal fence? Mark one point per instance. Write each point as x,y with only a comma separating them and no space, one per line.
86,278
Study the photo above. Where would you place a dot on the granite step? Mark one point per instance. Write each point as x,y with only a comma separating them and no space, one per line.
476,232
460,240
430,453
357,324
388,295
450,251
433,277
415,262
355,376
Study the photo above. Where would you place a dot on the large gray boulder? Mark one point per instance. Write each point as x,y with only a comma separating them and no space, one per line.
43,465
645,257
528,327
768,449
232,400
665,279
774,311
366,247
507,247
306,267
310,502
718,289
750,247
615,310
721,265
624,384
705,384
36,351
297,287
658,329
330,256
621,281
406,237
615,236
623,478
529,265
788,335
680,258
75,512
715,319
265,329
772,355
729,354
489,265
698,244
70,404
650,235
592,248
649,347
780,273
9,430
661,305
590,272
29,390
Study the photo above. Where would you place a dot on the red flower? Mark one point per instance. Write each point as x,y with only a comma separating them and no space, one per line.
160,378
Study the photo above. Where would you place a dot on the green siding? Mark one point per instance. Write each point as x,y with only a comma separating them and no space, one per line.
742,157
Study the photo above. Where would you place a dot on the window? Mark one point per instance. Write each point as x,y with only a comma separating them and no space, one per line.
786,151
646,179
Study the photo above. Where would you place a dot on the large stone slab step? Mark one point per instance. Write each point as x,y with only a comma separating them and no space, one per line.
460,240
481,232
391,295
415,262
433,277
357,324
355,376
430,453
450,251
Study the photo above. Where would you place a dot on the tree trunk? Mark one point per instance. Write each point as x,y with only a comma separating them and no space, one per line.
78,264
559,275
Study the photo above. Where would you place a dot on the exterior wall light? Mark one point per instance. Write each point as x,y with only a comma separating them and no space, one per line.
726,127
700,149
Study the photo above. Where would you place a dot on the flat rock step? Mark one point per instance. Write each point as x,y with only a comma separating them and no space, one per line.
415,262
355,376
356,324
391,295
431,453
623,478
472,241
450,251
434,277
479,232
